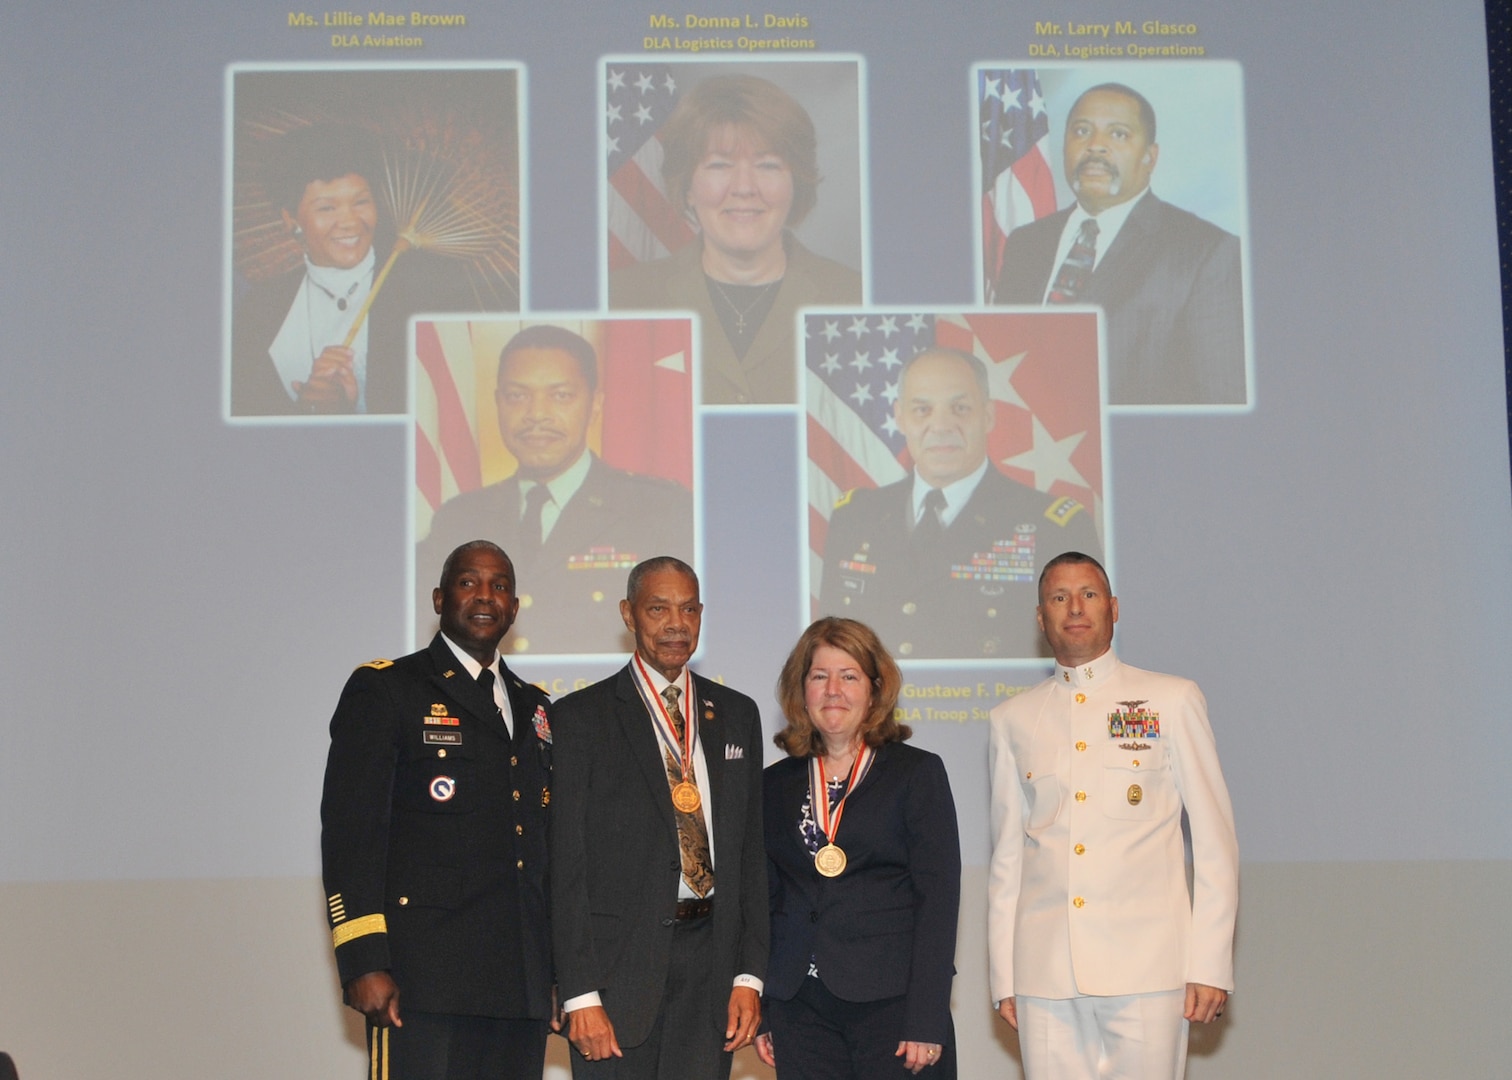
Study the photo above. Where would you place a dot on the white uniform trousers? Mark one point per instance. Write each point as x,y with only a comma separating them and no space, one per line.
1130,1037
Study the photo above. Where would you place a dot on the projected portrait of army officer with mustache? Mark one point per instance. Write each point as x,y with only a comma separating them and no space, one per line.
570,520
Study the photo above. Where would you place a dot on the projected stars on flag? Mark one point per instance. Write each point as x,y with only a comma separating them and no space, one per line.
1013,126
644,224
638,100
1050,459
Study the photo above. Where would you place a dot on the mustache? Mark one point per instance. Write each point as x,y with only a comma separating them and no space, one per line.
1115,178
1101,162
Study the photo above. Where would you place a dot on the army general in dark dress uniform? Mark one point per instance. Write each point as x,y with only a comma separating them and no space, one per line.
943,564
434,844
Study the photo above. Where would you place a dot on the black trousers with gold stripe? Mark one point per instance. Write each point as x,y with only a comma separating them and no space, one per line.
436,1046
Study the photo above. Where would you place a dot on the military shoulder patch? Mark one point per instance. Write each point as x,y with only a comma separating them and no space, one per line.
1063,509
842,500
377,665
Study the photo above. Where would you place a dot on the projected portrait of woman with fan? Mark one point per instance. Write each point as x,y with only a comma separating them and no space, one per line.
344,229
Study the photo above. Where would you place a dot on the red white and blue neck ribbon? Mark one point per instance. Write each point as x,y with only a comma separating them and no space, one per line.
681,750
827,817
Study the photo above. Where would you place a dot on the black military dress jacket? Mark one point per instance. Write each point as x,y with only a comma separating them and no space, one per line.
434,837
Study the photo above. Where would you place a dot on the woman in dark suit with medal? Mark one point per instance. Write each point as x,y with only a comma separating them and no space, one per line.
864,871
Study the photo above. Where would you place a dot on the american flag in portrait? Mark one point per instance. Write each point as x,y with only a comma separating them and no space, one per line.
643,224
1043,377
1017,184
645,373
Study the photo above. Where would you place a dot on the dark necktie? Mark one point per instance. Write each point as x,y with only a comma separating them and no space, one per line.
930,525
530,524
692,833
486,684
1074,272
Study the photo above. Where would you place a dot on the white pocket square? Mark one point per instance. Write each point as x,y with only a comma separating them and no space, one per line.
734,753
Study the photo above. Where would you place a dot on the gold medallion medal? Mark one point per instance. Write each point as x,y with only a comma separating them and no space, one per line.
685,798
829,861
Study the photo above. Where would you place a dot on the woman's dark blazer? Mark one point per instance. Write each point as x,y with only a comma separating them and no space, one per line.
886,927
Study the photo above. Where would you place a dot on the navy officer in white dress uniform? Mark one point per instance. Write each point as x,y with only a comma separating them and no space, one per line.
1099,953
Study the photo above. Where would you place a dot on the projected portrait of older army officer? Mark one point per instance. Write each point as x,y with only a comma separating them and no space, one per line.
574,524
944,562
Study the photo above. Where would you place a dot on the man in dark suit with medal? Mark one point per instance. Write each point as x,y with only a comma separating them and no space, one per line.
658,891
434,843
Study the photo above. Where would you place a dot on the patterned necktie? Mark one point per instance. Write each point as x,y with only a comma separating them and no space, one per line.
530,524
1077,268
692,833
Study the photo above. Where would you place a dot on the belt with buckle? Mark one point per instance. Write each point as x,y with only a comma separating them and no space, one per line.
694,909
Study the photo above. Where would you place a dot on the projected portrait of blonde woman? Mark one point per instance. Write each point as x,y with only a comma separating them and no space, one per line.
360,198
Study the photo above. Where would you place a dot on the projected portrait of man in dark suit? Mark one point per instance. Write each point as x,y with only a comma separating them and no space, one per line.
1169,282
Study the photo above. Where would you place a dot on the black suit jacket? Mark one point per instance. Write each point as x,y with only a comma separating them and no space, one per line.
615,854
417,283
570,586
434,839
1171,296
886,927
970,593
